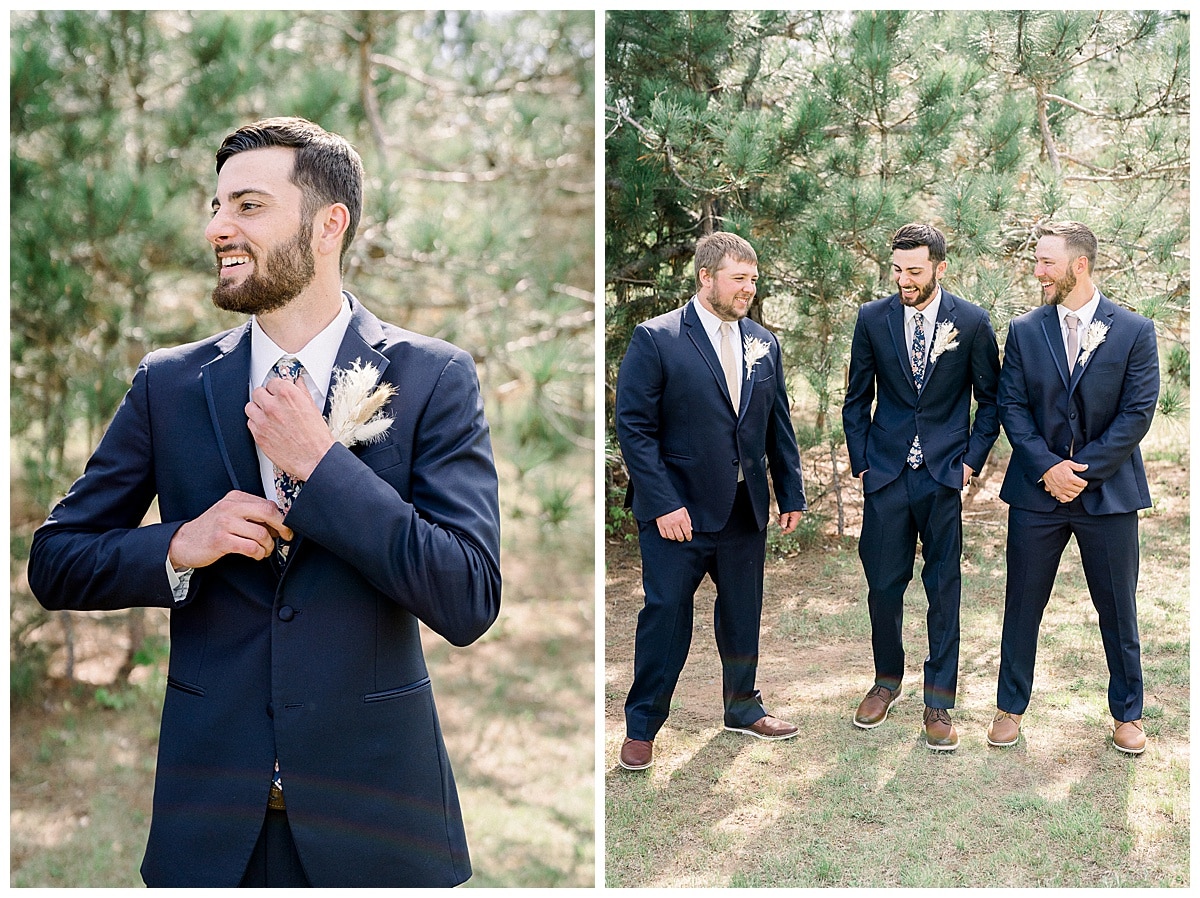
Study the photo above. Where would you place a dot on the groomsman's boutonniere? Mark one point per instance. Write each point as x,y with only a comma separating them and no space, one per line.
1092,338
356,403
753,349
945,339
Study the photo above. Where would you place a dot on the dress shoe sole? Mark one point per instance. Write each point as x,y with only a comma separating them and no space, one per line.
645,766
750,732
990,741
1129,751
870,726
934,746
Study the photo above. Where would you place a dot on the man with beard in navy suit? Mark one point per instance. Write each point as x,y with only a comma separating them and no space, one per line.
702,413
1077,394
919,355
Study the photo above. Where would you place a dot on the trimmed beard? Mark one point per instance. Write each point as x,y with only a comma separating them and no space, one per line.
1062,287
923,294
286,271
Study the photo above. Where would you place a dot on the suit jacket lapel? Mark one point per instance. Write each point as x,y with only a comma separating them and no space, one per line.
895,320
227,390
1104,315
1054,341
945,313
363,334
696,333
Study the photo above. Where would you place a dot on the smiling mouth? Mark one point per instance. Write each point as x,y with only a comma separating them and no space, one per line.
234,261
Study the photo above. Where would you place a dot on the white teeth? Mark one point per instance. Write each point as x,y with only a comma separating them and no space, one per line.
230,261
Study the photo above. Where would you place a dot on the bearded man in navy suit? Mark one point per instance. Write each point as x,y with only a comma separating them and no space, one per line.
702,413
299,743
919,355
1077,394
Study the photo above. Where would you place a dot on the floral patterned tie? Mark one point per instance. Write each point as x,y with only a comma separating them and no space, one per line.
287,487
916,457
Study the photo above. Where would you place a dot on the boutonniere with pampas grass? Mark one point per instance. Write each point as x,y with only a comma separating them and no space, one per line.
1092,338
356,405
945,339
753,349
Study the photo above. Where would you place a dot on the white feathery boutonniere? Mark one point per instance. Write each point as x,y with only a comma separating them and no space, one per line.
945,339
1092,338
356,405
753,349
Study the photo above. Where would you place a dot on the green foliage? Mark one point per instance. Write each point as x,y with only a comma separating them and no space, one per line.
816,134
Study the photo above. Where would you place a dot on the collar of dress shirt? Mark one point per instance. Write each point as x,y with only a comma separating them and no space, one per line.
1084,313
712,327
317,356
930,311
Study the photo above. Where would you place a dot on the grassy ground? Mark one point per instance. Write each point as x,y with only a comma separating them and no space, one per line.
839,806
82,756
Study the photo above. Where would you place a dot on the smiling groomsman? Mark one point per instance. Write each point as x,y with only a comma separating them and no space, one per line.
1077,394
918,355
702,413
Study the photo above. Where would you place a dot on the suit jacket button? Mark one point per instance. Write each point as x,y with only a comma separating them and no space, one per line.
270,709
286,613
1074,416
735,462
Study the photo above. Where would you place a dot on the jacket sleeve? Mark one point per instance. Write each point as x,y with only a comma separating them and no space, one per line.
860,392
437,555
1027,441
783,456
985,379
639,394
1139,395
91,554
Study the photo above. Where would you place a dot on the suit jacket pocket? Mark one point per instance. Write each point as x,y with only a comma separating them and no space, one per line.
380,458
189,688
399,692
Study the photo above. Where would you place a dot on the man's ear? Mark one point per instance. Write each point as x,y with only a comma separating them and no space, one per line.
330,226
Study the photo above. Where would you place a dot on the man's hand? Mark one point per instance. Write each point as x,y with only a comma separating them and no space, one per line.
789,519
239,524
968,473
287,427
676,526
1061,481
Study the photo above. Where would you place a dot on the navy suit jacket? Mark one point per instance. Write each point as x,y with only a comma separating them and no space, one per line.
321,667
1096,415
680,436
881,371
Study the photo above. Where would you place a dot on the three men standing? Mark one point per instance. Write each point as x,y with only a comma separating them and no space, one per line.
702,412
919,355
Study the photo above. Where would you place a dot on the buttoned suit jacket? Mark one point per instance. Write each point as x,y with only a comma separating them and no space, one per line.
680,436
1096,415
322,666
878,439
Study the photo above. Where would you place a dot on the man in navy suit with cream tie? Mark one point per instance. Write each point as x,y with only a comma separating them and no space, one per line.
1077,395
919,355
300,745
702,413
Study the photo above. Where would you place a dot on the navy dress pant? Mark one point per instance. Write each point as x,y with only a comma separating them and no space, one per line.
1108,549
913,506
671,573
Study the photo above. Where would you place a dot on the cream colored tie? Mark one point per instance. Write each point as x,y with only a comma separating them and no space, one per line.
1072,341
729,364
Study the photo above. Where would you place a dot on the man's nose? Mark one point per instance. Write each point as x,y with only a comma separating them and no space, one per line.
220,229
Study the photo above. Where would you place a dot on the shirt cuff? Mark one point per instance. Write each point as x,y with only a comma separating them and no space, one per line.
179,580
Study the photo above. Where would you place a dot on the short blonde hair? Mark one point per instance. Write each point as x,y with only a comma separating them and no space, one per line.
714,248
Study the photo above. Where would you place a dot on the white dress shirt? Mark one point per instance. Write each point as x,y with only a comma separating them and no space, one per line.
712,327
1085,314
317,357
929,314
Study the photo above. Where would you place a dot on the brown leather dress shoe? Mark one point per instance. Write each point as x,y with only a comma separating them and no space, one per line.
1129,737
1004,729
940,734
637,754
873,710
767,728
